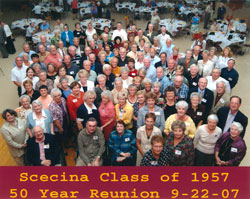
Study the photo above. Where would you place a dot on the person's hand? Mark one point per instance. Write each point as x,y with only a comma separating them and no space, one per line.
96,162
80,127
101,128
122,154
46,163
120,159
127,155
89,165
24,145
218,161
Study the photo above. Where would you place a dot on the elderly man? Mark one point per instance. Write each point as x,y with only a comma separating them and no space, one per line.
105,38
170,70
71,68
150,69
230,114
163,36
58,26
18,73
110,77
26,49
193,76
79,48
180,88
196,53
87,51
44,42
119,32
160,77
53,57
42,53
206,95
187,61
95,65
214,78
141,36
168,47
150,33
139,61
92,74
43,149
133,52
61,49
163,61
155,20
153,57
75,58
45,26
123,59
230,74
91,145
221,97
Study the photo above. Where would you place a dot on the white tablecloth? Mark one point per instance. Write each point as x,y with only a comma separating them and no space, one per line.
98,23
194,2
242,27
24,23
165,4
222,37
172,26
36,37
190,10
84,4
84,11
45,7
125,5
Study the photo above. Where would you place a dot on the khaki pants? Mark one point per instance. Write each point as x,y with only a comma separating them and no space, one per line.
19,160
80,162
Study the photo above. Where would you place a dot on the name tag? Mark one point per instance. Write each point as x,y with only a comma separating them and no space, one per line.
222,101
182,96
177,152
81,51
154,162
194,83
77,62
127,139
60,60
133,74
46,146
230,79
74,100
71,72
199,113
235,150
204,100
187,124
95,137
157,113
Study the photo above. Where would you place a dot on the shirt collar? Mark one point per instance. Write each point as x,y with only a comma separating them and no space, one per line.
43,115
90,109
40,141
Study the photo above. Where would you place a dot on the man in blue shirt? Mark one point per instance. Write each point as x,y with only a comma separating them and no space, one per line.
160,77
230,74
150,69
45,26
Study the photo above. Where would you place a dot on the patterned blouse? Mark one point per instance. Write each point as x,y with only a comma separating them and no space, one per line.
183,152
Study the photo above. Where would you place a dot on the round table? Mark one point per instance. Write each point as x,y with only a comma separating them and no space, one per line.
36,36
24,23
98,23
172,25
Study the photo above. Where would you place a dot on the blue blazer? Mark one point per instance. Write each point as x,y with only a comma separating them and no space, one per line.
71,37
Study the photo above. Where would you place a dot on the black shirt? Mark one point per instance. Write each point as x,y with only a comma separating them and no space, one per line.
35,95
122,63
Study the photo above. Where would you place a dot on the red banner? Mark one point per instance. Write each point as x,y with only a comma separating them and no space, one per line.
125,182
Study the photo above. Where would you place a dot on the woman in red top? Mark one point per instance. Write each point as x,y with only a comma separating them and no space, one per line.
74,9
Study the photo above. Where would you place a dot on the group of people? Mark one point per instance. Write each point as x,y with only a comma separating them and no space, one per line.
124,98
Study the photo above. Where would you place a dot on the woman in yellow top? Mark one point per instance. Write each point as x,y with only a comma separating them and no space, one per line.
182,107
124,111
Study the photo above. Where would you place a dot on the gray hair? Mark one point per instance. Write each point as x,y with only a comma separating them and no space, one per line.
101,76
63,78
194,66
36,64
106,66
72,48
54,91
156,38
107,93
88,93
24,96
36,102
213,48
146,80
118,79
124,70
132,86
221,82
213,117
194,94
181,103
238,126
157,84
216,68
206,52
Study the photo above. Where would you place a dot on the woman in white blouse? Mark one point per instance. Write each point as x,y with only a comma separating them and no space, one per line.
205,65
126,80
223,59
90,31
212,57
86,85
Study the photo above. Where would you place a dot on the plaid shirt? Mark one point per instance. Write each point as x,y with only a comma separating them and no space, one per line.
182,93
125,143
183,152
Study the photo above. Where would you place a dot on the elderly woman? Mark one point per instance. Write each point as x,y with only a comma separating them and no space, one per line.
45,99
144,136
212,55
182,107
205,139
122,144
64,87
51,71
14,133
151,108
196,110
102,58
118,89
159,96
39,117
147,84
87,110
86,85
59,114
193,76
107,113
101,79
175,56
170,100
126,79
43,80
223,59
139,104
230,149
205,65
158,155
25,108
124,111
156,45
132,98
180,145
90,31
62,73
28,86
30,74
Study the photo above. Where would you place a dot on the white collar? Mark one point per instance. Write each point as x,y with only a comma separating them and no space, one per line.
43,115
90,109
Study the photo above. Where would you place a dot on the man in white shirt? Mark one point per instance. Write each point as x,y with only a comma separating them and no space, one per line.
139,62
18,73
214,78
163,36
120,32
30,31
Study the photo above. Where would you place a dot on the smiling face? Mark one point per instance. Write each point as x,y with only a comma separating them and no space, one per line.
43,92
157,148
178,133
25,103
37,108
30,73
181,111
211,124
120,129
149,123
76,90
195,101
10,118
234,133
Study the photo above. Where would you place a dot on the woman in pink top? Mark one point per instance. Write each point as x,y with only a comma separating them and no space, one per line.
107,114
45,99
